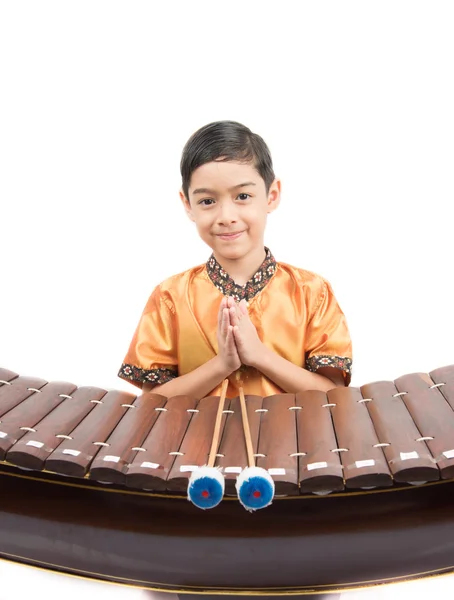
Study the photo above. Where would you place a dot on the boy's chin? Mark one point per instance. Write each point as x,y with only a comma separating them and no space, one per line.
231,253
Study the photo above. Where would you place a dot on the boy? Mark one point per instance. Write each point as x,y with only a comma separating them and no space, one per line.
280,325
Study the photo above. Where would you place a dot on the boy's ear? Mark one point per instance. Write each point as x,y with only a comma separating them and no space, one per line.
274,196
187,206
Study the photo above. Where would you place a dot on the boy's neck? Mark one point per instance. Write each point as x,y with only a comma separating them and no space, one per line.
242,269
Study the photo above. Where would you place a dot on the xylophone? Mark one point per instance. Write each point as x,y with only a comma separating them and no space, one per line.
312,442
95,482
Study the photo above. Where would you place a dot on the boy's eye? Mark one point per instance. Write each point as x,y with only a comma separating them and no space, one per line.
208,201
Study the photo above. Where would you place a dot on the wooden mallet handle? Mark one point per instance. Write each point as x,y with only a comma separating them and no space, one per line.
217,425
246,429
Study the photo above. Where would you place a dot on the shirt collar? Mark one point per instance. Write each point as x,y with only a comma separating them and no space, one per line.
222,280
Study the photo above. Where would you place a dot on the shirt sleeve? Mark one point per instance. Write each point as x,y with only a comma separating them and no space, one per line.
152,354
328,342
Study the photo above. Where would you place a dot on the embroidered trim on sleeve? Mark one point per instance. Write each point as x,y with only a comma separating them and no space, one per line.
324,360
155,376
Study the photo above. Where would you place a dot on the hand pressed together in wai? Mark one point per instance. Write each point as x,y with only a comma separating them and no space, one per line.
238,341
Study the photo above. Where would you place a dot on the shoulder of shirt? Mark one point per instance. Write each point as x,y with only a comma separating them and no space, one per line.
304,276
174,280
172,285
171,288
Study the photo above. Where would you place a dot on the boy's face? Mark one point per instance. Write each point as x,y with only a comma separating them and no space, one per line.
230,198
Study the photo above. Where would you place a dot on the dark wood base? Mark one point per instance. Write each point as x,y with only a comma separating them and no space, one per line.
334,596
303,546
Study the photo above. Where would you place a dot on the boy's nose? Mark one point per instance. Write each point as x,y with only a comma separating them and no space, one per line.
226,213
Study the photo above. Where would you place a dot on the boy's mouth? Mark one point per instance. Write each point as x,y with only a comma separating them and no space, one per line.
230,236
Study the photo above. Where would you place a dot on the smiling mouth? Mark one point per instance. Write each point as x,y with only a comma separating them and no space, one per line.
230,236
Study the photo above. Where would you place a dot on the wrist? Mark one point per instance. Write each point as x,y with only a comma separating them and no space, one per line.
262,357
220,368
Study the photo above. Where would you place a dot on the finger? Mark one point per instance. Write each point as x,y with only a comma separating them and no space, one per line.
225,322
239,344
243,307
230,341
238,314
220,313
233,317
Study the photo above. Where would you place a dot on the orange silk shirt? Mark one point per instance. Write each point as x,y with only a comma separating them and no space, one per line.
294,311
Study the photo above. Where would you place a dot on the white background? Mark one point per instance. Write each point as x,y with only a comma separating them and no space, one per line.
355,101
97,100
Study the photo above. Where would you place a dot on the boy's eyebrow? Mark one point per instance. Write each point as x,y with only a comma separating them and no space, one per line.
207,191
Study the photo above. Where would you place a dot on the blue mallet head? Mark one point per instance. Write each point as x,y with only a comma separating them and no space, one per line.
255,488
206,487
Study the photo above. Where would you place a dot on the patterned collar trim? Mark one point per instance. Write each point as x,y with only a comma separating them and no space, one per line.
227,285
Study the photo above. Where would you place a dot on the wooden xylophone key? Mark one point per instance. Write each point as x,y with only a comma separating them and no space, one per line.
320,469
364,464
443,379
232,452
32,451
255,486
6,376
206,486
16,390
277,449
24,416
433,416
409,459
150,467
73,457
196,443
112,460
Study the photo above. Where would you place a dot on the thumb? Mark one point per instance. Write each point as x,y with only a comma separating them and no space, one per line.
243,307
237,336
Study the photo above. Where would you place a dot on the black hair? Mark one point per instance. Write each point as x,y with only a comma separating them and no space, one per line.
225,141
